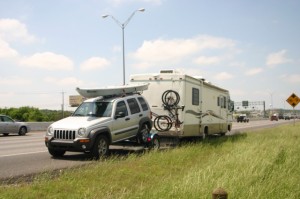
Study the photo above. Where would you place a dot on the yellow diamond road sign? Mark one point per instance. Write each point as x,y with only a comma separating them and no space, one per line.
293,100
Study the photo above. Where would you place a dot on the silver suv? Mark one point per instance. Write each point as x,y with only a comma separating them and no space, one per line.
98,123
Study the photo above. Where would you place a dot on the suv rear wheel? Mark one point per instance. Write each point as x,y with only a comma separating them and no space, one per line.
101,147
143,134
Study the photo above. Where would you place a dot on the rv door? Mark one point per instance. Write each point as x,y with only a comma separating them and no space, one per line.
222,103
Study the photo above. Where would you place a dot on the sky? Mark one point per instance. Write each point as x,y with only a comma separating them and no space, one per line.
50,47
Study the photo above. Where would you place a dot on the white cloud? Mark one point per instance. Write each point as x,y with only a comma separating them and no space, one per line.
223,76
117,49
94,63
67,81
14,81
48,61
238,92
238,64
13,30
203,60
294,78
121,2
6,51
171,52
277,58
254,71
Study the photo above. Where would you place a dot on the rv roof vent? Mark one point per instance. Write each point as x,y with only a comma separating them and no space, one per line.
168,71
199,77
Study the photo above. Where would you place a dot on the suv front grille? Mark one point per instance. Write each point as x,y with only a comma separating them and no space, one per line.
64,134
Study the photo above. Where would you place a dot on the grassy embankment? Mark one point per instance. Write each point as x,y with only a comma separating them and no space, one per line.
264,164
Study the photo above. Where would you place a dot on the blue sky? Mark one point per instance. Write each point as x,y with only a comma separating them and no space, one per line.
48,47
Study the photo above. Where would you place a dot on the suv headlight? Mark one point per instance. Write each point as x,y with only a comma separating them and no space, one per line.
81,132
50,131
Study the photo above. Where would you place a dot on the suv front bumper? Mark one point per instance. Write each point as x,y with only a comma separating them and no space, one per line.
77,145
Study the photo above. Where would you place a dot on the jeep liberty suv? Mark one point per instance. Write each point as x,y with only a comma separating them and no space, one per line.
99,122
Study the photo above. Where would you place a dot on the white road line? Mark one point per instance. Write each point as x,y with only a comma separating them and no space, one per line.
9,155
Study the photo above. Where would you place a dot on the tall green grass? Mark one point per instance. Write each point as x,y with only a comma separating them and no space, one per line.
264,164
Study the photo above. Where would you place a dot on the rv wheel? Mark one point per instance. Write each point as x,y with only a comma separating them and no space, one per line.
205,134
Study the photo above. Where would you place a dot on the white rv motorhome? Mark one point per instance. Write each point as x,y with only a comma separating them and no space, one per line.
186,106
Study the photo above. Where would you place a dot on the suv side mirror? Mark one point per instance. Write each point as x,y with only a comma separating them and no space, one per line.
119,115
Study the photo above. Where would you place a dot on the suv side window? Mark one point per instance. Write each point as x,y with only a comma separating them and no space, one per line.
133,106
143,103
121,107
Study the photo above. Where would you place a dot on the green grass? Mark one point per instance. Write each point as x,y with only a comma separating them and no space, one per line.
264,164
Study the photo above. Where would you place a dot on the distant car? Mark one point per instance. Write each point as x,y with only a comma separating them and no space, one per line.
274,117
286,117
242,118
281,116
9,126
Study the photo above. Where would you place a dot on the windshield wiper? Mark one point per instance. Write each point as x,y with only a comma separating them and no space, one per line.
78,115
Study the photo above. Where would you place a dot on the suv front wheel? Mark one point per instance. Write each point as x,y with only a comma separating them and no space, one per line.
56,153
101,147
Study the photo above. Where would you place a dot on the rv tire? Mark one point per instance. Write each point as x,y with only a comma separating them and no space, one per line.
205,134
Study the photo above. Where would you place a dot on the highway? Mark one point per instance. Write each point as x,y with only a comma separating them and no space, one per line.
27,155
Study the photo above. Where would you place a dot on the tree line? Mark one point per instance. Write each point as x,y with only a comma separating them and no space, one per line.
31,114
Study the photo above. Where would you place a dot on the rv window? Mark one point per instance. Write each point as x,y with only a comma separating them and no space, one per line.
220,101
224,102
231,105
195,96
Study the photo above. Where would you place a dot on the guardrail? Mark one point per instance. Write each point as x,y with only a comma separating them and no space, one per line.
38,126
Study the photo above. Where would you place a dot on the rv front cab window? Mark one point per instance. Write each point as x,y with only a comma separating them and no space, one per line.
231,105
222,101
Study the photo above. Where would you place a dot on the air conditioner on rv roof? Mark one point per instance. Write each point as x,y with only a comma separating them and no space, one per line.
169,71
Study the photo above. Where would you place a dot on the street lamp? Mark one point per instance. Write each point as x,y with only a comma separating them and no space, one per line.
123,25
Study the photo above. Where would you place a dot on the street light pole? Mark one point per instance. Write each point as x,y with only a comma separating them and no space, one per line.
123,25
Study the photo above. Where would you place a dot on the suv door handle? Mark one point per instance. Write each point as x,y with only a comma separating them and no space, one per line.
140,115
126,119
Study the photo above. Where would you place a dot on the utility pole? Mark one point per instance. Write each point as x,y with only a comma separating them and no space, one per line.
63,104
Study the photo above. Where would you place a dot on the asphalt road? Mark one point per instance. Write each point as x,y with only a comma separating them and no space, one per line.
27,155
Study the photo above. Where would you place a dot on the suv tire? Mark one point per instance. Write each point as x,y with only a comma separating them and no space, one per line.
23,130
100,148
143,134
56,153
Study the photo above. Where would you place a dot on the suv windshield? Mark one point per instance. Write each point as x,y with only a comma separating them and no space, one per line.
94,109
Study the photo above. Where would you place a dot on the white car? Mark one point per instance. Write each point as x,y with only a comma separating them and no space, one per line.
9,126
